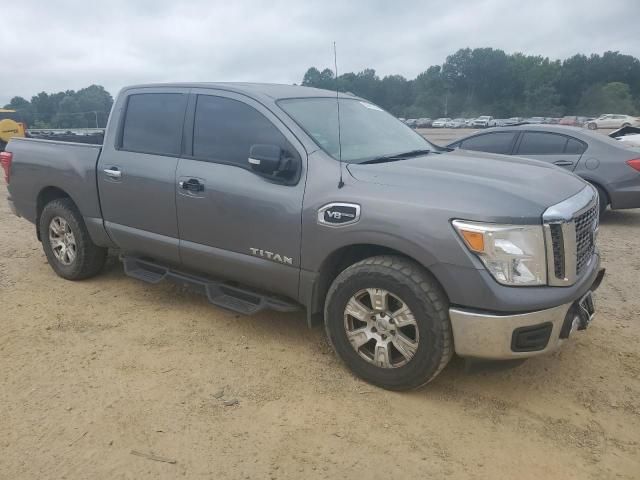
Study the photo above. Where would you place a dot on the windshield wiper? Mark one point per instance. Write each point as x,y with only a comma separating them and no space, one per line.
397,156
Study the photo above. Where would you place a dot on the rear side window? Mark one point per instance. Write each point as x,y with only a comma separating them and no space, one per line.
539,143
574,147
153,123
225,129
498,142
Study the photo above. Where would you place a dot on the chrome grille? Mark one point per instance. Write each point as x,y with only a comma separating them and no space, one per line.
586,225
558,250
570,229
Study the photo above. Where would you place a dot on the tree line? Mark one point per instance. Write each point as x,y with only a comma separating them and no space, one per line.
87,108
471,82
488,81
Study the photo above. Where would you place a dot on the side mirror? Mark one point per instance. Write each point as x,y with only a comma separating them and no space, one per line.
269,159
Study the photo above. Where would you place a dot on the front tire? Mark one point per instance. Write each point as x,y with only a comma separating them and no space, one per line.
387,318
592,126
66,242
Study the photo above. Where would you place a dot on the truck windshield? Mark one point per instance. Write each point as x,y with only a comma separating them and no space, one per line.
366,131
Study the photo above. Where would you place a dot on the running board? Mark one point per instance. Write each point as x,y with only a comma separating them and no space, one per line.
231,297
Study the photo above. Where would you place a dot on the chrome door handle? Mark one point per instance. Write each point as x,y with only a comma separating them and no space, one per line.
113,172
193,185
563,163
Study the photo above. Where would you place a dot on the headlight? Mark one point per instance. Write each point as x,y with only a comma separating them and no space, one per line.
513,254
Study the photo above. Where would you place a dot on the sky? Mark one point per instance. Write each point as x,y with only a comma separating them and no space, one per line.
54,45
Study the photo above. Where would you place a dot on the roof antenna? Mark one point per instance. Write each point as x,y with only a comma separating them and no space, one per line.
335,63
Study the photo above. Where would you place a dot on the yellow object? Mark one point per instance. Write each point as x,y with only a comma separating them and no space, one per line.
474,240
10,128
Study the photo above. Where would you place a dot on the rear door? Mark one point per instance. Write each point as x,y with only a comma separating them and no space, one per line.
561,150
236,223
136,172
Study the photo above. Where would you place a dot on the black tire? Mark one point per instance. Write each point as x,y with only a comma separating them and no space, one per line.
592,126
89,258
411,283
603,199
626,124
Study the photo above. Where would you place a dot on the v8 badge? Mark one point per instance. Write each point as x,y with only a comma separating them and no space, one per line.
339,214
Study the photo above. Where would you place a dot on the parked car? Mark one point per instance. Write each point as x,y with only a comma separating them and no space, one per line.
613,121
456,123
411,122
440,122
570,120
629,135
483,121
534,120
610,166
236,189
424,123
503,122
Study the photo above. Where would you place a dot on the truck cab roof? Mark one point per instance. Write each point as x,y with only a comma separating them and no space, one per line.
271,91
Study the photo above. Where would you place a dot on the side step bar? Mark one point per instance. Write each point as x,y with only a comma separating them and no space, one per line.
237,299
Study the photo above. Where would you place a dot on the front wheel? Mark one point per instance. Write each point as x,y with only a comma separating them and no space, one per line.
66,241
388,320
592,126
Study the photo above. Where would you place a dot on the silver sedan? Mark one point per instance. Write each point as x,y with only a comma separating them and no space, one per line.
613,167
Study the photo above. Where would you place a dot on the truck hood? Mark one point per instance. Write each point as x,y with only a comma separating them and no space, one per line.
475,185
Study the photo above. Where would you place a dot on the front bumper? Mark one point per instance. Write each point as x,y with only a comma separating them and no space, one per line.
492,336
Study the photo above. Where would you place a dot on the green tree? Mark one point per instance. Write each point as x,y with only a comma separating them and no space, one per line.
613,97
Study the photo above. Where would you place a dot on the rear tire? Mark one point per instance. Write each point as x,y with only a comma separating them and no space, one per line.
66,241
422,333
626,124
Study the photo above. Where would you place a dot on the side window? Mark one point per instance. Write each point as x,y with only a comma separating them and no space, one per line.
540,143
225,129
153,123
575,147
498,142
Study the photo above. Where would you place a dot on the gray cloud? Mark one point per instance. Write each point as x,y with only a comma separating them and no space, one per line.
58,45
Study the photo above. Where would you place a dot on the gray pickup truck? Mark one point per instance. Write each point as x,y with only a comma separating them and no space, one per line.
251,194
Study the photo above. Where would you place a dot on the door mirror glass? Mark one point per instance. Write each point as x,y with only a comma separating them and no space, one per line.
265,158
270,160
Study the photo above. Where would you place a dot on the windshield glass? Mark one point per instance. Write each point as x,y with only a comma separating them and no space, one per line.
366,131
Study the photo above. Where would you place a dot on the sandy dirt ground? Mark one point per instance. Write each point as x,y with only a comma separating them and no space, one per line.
112,378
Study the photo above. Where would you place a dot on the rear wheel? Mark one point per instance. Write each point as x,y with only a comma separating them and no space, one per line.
388,320
625,125
66,241
603,199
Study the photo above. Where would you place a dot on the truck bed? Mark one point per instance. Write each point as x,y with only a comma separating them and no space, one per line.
41,166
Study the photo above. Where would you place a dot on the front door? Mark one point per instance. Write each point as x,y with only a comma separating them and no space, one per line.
233,222
136,173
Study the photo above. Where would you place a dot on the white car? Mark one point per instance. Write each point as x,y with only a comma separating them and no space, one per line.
440,122
456,123
611,120
484,121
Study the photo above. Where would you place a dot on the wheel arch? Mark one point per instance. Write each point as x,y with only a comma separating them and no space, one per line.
600,185
46,196
314,293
